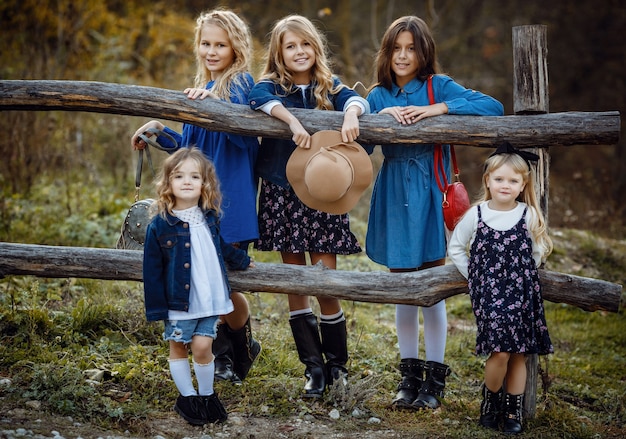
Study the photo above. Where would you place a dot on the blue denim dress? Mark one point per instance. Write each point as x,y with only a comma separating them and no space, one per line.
405,225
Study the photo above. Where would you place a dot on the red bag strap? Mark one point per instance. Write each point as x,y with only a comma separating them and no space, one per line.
442,181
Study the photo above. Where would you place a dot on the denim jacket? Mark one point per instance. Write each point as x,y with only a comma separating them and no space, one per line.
167,262
271,163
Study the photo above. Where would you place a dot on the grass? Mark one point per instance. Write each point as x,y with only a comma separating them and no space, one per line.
57,334
82,348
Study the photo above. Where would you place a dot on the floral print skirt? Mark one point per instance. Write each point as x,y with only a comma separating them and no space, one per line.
288,225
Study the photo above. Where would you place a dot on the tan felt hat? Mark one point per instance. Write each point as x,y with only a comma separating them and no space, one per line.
331,175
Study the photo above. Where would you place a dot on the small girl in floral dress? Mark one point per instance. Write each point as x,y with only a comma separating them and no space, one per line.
506,236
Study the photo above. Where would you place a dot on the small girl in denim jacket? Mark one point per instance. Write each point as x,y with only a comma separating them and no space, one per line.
185,281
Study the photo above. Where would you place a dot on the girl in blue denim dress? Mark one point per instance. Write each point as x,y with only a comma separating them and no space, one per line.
405,226
297,75
498,246
185,280
223,49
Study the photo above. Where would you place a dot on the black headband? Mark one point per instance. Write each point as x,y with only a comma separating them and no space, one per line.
507,148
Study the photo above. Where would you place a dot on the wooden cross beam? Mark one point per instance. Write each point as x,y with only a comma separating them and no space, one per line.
569,128
422,288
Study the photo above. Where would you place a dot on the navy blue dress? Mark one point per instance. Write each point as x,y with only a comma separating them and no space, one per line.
505,292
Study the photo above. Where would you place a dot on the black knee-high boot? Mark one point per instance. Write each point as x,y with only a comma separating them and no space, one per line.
412,372
431,393
223,352
335,348
306,335
245,349
235,350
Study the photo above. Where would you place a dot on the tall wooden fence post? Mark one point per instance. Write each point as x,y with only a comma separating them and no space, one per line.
530,96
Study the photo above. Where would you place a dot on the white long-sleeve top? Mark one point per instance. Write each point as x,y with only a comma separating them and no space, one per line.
465,231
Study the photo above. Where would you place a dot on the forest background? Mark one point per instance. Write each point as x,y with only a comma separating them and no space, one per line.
150,43
67,178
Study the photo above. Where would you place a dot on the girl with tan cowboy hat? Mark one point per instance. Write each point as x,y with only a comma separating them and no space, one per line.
297,75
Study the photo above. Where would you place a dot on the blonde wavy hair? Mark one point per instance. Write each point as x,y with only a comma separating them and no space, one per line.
321,74
210,194
241,43
537,223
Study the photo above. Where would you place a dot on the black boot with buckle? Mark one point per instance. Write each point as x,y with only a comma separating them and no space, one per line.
491,408
335,349
307,337
412,372
513,406
431,393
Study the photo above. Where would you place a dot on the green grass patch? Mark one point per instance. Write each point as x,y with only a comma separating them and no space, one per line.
83,347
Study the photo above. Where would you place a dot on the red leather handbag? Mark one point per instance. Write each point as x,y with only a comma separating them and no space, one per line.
455,198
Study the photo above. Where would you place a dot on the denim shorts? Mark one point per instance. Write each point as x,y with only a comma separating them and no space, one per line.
182,331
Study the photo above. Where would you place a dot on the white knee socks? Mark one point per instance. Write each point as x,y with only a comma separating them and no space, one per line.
205,374
408,331
181,374
435,331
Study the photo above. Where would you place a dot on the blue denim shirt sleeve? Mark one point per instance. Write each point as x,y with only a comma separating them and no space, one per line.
464,101
165,141
263,92
460,100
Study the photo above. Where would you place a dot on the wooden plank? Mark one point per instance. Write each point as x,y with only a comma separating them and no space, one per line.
530,70
569,128
422,288
530,96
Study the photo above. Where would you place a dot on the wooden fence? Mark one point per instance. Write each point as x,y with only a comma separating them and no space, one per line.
531,126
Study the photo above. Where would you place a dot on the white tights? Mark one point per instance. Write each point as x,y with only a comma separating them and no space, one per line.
435,331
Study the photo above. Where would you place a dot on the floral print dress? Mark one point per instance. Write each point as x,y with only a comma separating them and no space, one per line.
505,292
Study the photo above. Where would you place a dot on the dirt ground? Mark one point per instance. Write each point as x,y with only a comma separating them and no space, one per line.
39,425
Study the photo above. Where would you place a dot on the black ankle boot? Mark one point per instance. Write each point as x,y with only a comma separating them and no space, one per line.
513,406
431,393
491,408
335,348
223,353
245,349
412,371
306,335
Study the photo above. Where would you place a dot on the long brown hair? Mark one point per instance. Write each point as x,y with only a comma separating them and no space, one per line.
210,194
425,50
321,75
241,42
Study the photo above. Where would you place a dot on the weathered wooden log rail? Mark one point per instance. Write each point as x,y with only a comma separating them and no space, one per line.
422,288
569,128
